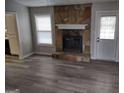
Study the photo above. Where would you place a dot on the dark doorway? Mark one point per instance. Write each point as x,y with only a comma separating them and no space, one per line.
7,47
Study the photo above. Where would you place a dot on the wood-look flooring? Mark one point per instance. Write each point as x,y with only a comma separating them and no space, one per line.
40,74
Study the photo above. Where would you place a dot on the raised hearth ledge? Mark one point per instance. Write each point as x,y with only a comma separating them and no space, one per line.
72,26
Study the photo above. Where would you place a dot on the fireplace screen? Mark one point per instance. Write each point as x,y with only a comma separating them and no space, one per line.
72,44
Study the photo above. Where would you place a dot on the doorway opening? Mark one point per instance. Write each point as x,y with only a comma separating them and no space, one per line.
11,35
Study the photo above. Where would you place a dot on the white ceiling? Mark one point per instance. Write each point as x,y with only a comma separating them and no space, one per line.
34,3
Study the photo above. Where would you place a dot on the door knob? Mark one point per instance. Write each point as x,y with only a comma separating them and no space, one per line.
97,40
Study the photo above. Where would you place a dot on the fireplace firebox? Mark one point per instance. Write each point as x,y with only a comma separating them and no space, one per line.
72,44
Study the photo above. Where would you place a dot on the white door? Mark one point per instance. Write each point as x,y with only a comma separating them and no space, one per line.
107,34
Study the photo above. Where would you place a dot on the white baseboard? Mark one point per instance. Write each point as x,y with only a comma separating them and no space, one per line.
116,60
92,58
25,56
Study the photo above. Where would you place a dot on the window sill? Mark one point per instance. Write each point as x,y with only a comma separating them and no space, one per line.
45,45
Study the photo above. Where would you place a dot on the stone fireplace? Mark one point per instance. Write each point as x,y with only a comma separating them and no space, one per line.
74,42
72,32
72,37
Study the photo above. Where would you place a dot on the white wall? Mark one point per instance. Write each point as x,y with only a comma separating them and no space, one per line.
42,49
23,23
100,7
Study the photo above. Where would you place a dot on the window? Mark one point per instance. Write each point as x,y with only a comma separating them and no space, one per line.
107,27
43,27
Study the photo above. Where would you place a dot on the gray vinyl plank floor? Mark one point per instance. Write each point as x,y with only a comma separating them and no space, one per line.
40,74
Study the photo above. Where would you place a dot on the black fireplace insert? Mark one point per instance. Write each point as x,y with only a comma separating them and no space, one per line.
72,44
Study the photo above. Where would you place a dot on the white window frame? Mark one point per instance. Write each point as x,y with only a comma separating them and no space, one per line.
104,13
114,28
36,31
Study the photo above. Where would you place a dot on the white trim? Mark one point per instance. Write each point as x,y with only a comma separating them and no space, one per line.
97,14
38,31
117,60
10,12
92,58
105,60
107,12
35,26
53,28
18,32
40,11
71,26
45,45
25,56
